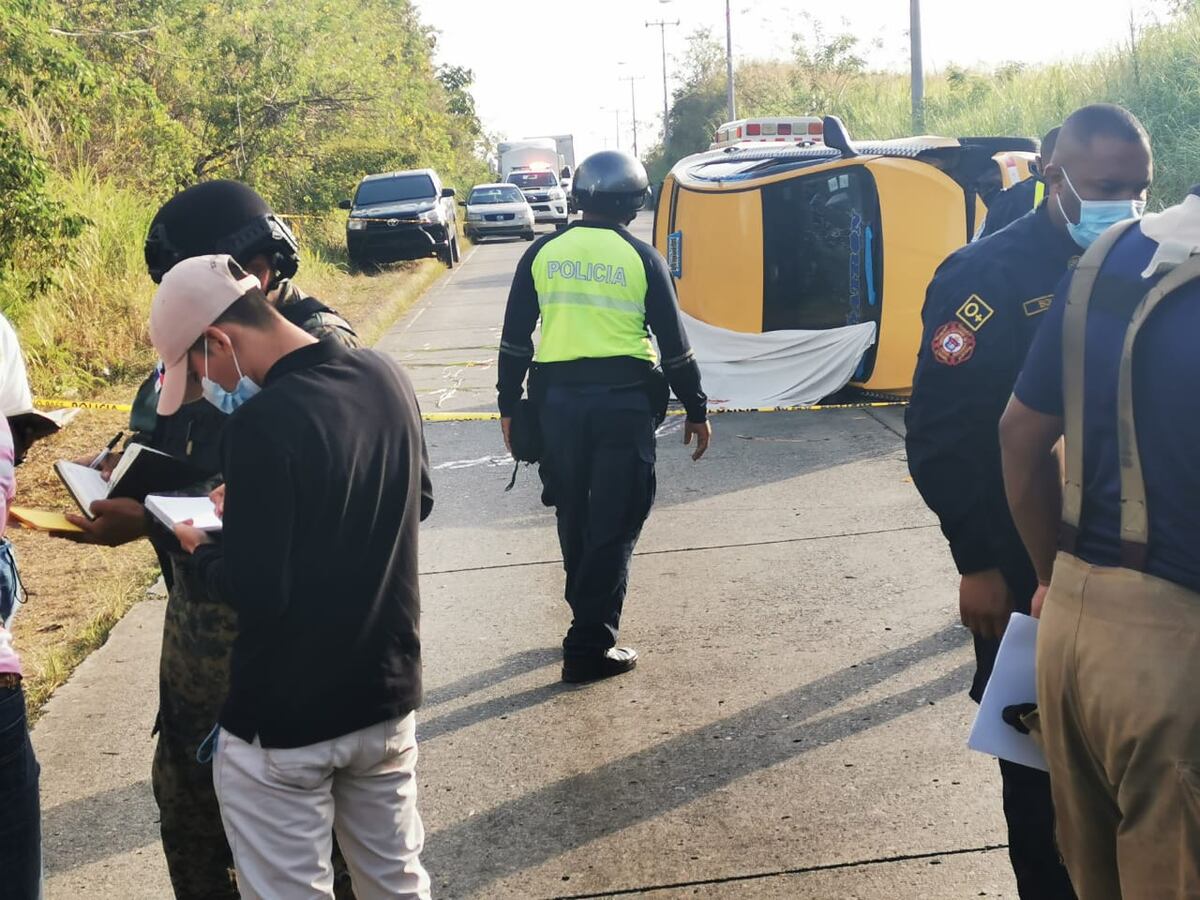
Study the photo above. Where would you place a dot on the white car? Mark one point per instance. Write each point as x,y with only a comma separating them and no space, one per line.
498,210
544,193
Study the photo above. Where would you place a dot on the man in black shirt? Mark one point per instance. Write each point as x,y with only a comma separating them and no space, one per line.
327,480
210,217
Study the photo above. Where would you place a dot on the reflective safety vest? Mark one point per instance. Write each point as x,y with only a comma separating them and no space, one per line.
591,288
1039,193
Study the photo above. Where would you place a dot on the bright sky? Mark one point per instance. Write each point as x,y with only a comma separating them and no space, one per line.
555,66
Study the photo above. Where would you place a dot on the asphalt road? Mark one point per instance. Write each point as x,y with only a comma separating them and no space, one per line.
796,728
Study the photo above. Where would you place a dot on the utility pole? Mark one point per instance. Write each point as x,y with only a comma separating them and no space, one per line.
918,68
729,61
633,79
662,25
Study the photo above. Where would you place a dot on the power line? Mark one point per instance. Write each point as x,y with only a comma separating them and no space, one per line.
662,26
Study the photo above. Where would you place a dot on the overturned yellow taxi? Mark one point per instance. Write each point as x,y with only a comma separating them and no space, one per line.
764,238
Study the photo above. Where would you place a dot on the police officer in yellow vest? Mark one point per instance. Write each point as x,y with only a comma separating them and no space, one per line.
1024,196
1115,369
596,392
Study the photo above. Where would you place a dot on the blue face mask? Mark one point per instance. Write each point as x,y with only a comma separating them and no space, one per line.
227,401
1097,216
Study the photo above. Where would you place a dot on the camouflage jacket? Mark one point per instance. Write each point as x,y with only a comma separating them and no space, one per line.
323,323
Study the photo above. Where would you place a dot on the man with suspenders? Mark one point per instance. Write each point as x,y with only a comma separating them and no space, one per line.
1115,369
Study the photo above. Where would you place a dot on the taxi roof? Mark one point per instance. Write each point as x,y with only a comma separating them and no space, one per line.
747,161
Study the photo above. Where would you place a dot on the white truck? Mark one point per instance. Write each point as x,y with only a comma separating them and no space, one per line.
538,154
566,160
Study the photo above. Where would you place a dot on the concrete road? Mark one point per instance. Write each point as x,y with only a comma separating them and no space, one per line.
796,727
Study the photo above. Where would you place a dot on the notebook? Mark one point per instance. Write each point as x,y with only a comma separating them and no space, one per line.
141,470
172,511
41,520
40,424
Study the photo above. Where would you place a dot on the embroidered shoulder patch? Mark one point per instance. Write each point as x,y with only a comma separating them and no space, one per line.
952,344
1038,305
974,313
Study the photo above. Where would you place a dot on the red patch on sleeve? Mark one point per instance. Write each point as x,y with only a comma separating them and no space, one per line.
953,344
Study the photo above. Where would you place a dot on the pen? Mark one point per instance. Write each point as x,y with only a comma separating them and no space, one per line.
95,464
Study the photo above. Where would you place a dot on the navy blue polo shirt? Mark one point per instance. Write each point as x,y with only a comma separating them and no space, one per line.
1166,402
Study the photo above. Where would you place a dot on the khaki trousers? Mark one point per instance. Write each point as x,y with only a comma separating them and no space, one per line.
1118,663
281,806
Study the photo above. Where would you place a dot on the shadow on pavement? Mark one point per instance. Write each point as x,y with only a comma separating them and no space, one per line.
517,664
548,822
750,450
500,707
69,831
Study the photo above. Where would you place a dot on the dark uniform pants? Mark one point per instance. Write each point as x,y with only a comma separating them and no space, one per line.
193,682
597,471
1028,807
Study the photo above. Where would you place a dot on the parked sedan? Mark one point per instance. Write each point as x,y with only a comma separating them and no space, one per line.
495,210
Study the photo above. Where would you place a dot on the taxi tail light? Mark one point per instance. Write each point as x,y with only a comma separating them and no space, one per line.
754,130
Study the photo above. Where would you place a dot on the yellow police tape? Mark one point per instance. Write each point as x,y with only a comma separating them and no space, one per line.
495,416
59,403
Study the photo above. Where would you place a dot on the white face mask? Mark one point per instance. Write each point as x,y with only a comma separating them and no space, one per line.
227,401
1097,216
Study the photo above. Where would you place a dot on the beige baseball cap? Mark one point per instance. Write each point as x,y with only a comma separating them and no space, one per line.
192,295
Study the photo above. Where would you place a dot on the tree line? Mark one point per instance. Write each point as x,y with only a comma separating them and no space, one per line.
299,98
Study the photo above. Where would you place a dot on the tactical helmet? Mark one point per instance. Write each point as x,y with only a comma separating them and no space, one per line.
612,183
219,217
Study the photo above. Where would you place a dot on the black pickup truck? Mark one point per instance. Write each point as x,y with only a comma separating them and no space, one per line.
402,215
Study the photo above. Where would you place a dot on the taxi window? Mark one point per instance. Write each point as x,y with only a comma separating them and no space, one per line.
822,252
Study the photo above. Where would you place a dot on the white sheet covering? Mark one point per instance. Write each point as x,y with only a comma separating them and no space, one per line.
778,368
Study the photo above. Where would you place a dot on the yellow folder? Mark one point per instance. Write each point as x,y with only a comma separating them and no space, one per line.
41,520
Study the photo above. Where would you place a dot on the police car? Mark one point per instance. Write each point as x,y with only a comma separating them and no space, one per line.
545,194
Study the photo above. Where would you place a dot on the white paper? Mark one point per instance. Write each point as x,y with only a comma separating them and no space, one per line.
1013,681
172,511
87,485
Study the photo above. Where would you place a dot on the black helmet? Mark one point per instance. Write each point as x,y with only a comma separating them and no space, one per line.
612,183
219,217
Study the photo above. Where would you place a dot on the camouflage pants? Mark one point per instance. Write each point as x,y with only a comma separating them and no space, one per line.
193,682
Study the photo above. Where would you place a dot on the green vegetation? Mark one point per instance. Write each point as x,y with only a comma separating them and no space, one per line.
113,105
1156,77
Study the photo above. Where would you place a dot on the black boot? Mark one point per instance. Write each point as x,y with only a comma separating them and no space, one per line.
614,661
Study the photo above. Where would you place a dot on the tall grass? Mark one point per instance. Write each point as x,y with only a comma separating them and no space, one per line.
89,326
1157,78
